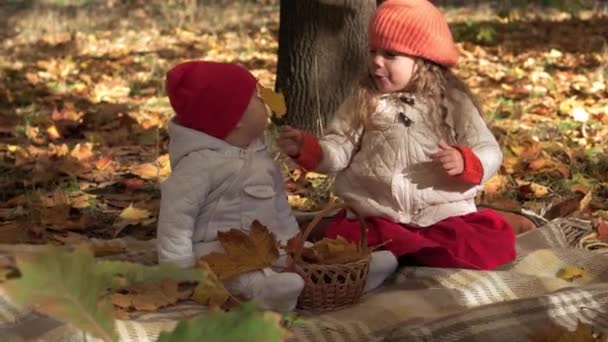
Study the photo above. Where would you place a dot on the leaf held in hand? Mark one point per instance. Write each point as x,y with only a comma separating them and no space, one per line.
276,101
244,252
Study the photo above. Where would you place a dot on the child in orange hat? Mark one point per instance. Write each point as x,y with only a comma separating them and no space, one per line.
410,149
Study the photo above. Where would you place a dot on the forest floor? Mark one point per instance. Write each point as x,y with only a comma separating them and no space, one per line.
83,113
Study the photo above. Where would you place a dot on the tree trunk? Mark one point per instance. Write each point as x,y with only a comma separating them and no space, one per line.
322,54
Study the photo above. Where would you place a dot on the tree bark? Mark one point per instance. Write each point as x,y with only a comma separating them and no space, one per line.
322,54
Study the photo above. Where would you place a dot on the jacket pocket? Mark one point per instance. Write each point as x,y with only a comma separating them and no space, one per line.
258,204
259,191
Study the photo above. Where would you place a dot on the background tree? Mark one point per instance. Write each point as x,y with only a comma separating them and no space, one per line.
322,52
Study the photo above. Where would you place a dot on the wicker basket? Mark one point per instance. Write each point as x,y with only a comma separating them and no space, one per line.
328,287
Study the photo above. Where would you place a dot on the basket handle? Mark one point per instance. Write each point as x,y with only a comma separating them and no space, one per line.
313,224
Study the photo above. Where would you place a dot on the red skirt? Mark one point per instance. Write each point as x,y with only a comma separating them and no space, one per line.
481,240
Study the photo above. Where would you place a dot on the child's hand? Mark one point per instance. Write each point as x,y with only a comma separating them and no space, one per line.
290,141
450,158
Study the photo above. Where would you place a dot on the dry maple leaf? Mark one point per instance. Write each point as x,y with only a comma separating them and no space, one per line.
564,208
243,252
333,251
150,297
295,244
210,291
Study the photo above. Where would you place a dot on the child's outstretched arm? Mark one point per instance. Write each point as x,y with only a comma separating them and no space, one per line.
182,196
332,152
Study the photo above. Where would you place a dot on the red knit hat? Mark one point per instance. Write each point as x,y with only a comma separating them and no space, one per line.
415,28
210,97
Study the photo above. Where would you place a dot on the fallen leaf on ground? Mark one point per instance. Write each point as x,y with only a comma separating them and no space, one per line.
584,203
210,291
160,169
82,151
570,273
135,214
526,189
150,297
565,207
244,252
496,185
131,216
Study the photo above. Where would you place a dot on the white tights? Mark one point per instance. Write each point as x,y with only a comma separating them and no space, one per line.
280,291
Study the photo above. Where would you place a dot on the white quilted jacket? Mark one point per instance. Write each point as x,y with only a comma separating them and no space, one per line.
215,186
387,171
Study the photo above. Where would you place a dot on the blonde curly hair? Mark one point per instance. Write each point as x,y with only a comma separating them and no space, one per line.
430,85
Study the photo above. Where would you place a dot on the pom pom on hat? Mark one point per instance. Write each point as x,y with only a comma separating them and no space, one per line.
413,27
210,97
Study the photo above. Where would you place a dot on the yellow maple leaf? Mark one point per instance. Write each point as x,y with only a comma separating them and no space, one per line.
210,291
276,101
53,133
570,273
161,168
82,151
243,252
135,214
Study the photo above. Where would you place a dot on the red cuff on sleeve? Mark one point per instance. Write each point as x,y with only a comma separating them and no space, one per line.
473,170
311,153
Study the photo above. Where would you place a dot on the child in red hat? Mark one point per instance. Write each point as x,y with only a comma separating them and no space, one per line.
222,176
410,149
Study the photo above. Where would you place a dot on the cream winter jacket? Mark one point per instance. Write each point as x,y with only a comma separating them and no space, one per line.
387,171
215,186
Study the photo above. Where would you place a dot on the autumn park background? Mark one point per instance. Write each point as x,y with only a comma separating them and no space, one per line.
83,110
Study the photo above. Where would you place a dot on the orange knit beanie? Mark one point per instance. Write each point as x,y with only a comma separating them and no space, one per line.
415,28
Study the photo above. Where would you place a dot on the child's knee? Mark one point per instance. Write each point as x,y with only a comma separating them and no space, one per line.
383,262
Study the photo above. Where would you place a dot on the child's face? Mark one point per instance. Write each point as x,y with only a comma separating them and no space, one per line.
252,125
391,71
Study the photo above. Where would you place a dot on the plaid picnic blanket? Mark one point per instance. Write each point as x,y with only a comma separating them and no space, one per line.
418,303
